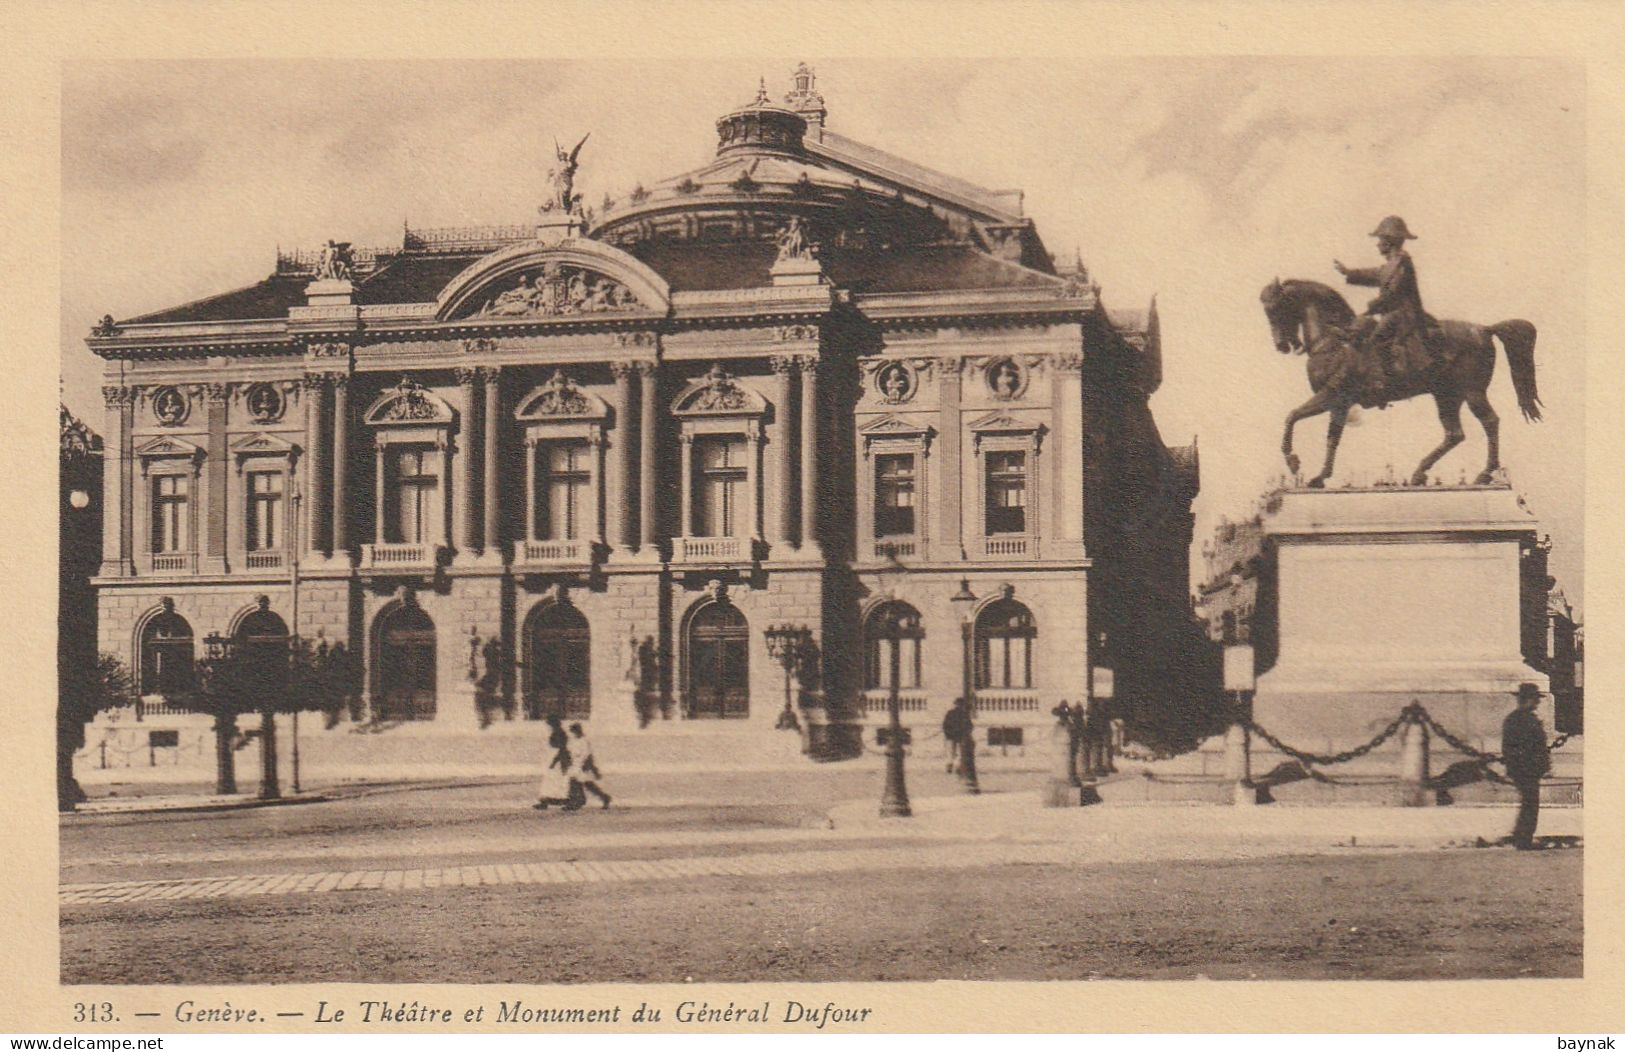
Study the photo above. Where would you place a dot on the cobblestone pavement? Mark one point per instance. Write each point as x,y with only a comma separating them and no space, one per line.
961,856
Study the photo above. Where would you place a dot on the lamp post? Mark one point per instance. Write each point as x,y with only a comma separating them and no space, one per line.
894,797
1102,689
295,497
786,643
218,653
964,601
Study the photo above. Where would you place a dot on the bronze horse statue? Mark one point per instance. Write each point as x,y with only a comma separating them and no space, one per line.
1306,316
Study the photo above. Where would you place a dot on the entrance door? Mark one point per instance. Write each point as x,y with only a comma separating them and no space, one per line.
718,663
558,648
406,680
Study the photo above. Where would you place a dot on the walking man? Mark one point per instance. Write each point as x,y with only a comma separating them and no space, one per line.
587,772
1523,748
956,727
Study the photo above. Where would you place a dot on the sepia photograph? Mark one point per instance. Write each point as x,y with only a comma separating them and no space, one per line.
793,518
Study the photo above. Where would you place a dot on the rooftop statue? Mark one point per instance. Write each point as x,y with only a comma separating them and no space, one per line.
1352,361
336,262
563,178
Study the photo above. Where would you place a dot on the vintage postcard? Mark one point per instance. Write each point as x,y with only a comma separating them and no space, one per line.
820,535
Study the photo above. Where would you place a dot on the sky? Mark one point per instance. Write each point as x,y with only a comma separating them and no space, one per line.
1197,180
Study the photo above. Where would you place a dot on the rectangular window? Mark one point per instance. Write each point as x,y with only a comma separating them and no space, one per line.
264,510
908,664
169,499
1006,492
563,492
721,503
894,495
413,484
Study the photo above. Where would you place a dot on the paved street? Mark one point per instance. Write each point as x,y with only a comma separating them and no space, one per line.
674,842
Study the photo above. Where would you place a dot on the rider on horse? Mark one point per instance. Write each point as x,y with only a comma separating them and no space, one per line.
1397,338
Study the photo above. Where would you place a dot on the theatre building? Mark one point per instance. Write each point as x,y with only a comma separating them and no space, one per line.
772,413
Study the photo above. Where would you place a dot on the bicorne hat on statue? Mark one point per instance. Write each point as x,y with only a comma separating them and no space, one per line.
1393,226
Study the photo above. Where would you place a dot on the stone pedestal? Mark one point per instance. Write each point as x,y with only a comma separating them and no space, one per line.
558,226
329,292
797,271
1387,596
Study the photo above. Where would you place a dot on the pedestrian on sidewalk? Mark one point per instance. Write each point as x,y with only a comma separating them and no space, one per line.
956,727
557,786
1523,749
586,771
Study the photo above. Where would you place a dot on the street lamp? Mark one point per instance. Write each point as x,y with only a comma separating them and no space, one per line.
786,643
218,655
964,601
894,797
1102,689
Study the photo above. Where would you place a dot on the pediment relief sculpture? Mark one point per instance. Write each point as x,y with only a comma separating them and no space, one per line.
718,392
560,397
409,402
558,290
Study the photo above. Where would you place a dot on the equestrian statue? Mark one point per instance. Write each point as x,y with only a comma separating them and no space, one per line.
1392,352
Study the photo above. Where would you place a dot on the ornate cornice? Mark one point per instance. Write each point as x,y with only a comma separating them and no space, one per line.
480,345
119,396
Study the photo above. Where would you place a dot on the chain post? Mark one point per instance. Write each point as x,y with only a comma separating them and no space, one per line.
1413,762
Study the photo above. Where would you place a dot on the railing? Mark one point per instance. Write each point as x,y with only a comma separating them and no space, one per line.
713,549
414,554
897,549
174,562
1005,546
467,236
879,701
263,561
148,709
528,552
1005,701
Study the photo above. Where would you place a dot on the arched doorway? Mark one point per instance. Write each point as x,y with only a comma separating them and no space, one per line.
166,655
262,651
718,663
558,657
405,686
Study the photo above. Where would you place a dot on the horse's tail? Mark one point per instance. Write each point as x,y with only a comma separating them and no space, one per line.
1518,340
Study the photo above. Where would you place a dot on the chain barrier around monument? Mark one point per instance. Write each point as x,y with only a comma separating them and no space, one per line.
1414,761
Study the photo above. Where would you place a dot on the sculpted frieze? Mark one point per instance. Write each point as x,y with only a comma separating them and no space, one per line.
559,290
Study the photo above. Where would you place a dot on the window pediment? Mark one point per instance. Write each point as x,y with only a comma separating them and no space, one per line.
895,429
1003,428
576,279
559,400
167,447
262,445
409,403
718,393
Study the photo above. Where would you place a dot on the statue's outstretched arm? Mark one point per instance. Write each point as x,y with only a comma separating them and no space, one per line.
1363,275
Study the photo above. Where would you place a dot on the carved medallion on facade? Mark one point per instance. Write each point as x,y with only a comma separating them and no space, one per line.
895,383
559,290
265,403
1006,378
170,405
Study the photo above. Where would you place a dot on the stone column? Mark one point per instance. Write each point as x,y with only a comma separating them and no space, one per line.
779,528
342,497
950,517
685,514
618,510
646,458
492,535
379,453
808,364
1067,458
118,503
216,396
315,441
468,377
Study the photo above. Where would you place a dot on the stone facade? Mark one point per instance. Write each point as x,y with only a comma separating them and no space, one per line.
783,389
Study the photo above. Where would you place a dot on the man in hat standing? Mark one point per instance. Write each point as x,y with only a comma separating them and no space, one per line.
1398,302
1523,749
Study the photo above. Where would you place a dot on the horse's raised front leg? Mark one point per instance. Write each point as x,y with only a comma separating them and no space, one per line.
1450,417
1334,435
1479,403
1317,404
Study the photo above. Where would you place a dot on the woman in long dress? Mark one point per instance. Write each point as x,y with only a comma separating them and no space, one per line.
555,787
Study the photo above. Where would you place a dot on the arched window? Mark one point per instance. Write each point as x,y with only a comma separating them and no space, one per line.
1005,631
893,631
166,655
262,650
